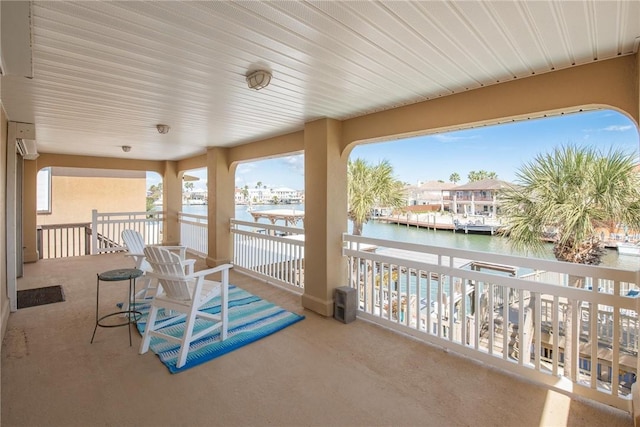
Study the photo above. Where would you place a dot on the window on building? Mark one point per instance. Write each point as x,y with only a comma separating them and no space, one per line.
43,201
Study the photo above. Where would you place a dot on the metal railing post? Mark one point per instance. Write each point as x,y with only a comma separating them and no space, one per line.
39,239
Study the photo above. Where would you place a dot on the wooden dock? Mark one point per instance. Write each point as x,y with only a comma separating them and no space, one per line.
415,223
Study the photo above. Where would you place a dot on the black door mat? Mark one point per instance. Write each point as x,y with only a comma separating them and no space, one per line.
40,296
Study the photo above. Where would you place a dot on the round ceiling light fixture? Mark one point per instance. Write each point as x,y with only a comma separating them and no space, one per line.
258,79
163,129
126,148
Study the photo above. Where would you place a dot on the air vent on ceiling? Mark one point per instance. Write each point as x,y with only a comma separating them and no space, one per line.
27,148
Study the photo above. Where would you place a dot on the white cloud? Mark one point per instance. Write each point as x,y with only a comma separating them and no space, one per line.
445,137
244,168
617,128
295,163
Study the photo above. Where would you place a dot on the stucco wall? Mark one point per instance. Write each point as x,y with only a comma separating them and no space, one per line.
166,169
4,300
73,198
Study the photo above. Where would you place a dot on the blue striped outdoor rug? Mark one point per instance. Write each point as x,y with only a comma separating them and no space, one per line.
250,319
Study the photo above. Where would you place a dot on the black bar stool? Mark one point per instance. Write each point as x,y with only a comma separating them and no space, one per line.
130,274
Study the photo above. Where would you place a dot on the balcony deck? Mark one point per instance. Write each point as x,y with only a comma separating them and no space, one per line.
316,372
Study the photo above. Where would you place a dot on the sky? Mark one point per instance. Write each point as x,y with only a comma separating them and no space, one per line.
502,149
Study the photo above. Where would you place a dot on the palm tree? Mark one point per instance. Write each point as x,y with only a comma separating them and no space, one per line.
371,186
454,177
474,176
571,191
155,192
245,193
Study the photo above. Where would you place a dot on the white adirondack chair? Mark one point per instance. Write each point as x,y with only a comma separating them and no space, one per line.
186,294
134,242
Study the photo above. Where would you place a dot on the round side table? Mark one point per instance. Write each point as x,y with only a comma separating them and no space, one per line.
130,274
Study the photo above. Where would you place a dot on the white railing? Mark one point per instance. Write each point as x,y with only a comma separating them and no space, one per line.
63,240
509,312
194,233
270,252
107,229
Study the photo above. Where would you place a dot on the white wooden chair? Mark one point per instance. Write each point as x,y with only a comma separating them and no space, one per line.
186,294
134,242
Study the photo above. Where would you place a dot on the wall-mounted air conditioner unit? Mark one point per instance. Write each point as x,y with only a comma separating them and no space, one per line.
25,135
27,148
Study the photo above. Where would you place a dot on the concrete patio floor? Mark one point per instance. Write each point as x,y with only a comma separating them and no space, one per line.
318,372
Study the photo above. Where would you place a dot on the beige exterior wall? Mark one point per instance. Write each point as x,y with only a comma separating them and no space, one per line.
88,162
192,163
220,205
4,300
165,169
29,185
325,215
73,198
172,198
635,79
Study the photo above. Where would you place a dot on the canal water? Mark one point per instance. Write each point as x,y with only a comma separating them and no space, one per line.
459,240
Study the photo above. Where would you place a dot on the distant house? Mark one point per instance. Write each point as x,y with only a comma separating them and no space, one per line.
267,195
286,195
478,197
196,197
432,193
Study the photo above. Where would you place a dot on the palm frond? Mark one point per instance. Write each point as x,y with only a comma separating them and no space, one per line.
369,187
572,190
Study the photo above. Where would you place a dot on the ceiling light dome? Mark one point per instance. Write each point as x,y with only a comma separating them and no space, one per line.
258,79
163,129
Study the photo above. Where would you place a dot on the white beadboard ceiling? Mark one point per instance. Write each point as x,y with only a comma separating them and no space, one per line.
105,73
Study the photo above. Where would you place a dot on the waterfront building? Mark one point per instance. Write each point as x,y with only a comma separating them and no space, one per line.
478,197
435,194
196,197
286,195
267,196
474,198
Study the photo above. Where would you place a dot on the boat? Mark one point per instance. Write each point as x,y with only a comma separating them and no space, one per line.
195,202
476,227
628,248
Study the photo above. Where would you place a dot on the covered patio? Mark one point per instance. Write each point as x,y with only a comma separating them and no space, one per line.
161,87
317,372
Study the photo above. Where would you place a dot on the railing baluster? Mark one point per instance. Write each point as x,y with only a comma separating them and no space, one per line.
430,303
273,254
505,322
556,334
56,243
537,317
491,310
615,354
524,303
593,337
408,305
